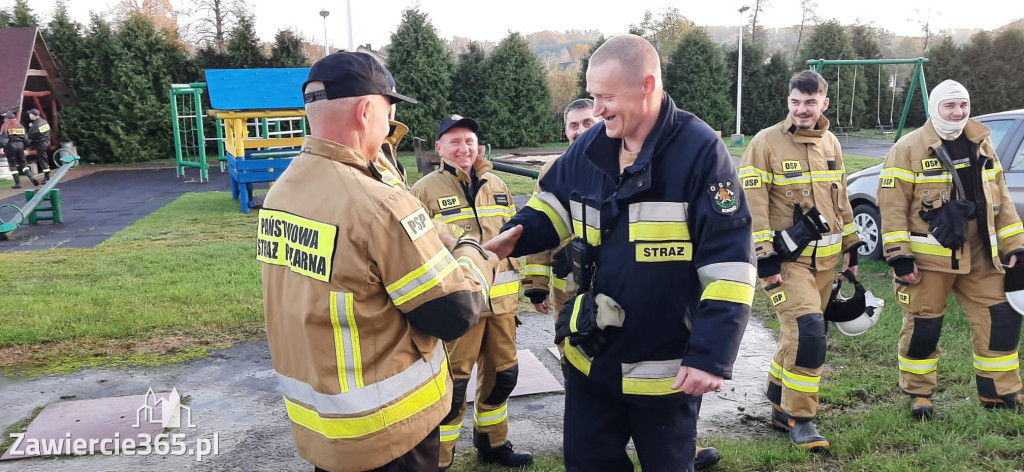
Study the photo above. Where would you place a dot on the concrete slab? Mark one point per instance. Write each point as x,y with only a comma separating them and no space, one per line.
534,378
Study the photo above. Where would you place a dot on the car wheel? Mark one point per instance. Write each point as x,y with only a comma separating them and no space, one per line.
869,228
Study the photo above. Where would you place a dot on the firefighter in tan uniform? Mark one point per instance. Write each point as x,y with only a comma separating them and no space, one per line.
793,175
944,231
464,194
359,290
538,273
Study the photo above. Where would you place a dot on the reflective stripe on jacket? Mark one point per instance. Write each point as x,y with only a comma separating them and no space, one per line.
451,198
354,278
913,178
537,272
785,166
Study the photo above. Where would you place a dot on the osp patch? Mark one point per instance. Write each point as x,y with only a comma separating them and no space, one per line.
724,198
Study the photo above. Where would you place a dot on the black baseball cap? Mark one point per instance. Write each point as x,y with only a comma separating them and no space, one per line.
456,121
351,74
34,112
10,115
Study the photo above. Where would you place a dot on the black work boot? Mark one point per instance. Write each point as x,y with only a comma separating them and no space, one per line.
17,180
46,176
501,455
805,436
779,419
1013,400
921,407
28,173
706,457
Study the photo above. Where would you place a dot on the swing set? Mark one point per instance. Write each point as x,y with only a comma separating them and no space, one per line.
916,81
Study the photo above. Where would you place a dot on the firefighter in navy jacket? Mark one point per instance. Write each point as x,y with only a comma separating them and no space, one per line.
652,196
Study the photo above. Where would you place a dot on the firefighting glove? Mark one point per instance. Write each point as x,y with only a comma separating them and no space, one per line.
807,227
583,320
948,223
536,295
561,266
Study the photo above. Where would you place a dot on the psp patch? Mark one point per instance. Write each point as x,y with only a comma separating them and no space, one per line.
724,198
417,224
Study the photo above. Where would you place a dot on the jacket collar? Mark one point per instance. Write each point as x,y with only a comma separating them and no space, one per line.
974,131
331,150
603,151
396,137
806,136
481,165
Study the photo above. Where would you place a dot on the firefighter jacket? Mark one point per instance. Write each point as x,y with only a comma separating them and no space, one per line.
537,272
478,207
786,166
387,162
672,244
357,289
14,135
913,178
39,133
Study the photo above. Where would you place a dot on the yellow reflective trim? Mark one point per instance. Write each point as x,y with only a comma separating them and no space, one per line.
823,251
997,364
357,356
558,283
469,264
408,287
1010,230
537,269
450,432
463,214
896,237
850,228
510,288
729,291
573,326
760,236
560,224
934,179
930,249
662,386
902,174
659,231
359,426
576,358
917,366
802,383
339,343
490,418
593,235
775,370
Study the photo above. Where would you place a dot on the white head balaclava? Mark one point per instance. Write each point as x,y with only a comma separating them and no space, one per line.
947,90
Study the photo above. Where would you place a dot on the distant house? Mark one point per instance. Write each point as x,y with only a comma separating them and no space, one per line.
29,77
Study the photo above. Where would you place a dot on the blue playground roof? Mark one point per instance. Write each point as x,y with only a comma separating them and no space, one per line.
256,89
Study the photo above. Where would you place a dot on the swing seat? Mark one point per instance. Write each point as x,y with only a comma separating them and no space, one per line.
883,129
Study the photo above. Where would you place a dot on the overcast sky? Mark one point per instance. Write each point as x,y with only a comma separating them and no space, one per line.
375,20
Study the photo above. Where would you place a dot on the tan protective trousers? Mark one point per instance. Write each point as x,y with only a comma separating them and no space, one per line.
995,326
491,346
795,373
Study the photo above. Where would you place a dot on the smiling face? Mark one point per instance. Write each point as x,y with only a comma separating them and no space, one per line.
619,102
577,121
458,145
955,109
805,109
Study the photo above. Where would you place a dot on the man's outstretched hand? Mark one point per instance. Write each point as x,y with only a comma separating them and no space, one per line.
503,244
696,382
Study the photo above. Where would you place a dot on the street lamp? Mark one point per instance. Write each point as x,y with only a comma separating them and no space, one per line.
348,7
739,82
327,49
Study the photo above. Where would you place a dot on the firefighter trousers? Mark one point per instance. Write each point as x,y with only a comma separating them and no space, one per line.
599,423
422,457
491,346
995,326
799,301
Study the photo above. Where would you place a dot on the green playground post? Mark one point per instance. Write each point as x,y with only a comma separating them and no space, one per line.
187,123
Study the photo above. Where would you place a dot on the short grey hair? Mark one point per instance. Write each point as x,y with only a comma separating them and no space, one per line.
578,104
635,55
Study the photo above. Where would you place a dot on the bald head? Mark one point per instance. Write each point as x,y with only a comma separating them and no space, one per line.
635,56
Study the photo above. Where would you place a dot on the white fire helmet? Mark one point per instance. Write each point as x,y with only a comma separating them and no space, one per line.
1014,285
855,315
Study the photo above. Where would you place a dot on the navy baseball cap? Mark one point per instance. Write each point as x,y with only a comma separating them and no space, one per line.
10,115
34,112
351,74
456,121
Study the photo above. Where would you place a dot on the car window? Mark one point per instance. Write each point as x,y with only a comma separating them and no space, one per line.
999,129
1018,157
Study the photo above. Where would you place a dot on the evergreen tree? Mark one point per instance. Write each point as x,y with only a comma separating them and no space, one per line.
765,88
873,91
66,44
584,63
517,97
469,83
5,19
696,78
23,15
287,50
422,67
244,50
208,57
830,40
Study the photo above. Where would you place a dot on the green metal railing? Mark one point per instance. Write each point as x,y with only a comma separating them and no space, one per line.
187,120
